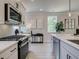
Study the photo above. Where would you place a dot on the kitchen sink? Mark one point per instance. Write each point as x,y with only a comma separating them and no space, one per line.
74,41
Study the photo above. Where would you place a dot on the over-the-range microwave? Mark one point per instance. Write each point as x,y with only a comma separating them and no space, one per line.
12,16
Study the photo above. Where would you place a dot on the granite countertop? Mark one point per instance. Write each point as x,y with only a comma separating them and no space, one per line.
4,45
66,37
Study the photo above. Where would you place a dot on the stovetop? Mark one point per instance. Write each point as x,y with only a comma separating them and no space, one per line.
12,38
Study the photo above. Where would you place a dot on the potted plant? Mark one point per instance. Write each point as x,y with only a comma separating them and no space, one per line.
59,26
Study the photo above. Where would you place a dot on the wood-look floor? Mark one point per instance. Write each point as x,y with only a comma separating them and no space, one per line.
41,51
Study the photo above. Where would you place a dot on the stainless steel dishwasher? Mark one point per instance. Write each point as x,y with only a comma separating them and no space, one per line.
56,47
23,46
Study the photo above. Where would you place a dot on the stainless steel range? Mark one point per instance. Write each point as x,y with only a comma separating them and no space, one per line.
22,44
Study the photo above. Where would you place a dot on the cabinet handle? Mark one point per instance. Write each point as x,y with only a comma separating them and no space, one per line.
13,50
68,56
2,58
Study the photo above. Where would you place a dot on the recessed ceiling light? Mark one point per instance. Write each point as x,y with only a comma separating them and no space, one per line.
41,9
18,0
32,0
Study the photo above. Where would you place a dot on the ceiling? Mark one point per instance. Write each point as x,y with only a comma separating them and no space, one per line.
50,5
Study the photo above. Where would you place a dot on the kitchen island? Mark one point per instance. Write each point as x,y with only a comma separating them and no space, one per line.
64,48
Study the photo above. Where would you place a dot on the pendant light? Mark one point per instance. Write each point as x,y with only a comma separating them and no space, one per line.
69,8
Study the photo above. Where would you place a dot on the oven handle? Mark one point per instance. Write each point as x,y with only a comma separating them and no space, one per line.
23,44
23,38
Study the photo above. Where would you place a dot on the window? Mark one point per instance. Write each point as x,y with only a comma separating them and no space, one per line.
52,21
23,29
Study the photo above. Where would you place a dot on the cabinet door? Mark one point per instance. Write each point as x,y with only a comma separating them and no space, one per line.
33,22
13,56
40,23
71,56
14,53
63,53
10,53
71,51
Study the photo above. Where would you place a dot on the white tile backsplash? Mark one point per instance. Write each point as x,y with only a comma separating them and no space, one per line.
6,30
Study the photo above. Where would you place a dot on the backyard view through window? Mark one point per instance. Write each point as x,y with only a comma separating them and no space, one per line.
52,21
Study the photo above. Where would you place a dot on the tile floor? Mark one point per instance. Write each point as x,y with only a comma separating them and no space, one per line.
41,51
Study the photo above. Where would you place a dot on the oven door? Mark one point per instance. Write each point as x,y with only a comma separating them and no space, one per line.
24,48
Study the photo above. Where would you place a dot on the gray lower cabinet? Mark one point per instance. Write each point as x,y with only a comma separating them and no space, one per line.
62,50
66,54
63,54
71,56
67,51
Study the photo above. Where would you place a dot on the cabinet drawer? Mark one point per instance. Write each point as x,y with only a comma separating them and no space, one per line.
9,52
70,49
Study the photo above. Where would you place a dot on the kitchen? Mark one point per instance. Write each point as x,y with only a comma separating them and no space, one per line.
38,31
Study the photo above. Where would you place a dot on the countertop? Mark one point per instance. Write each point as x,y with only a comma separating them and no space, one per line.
4,45
66,37
25,34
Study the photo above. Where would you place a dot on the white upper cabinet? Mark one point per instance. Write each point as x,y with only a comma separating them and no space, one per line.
37,22
2,11
33,23
21,7
40,22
